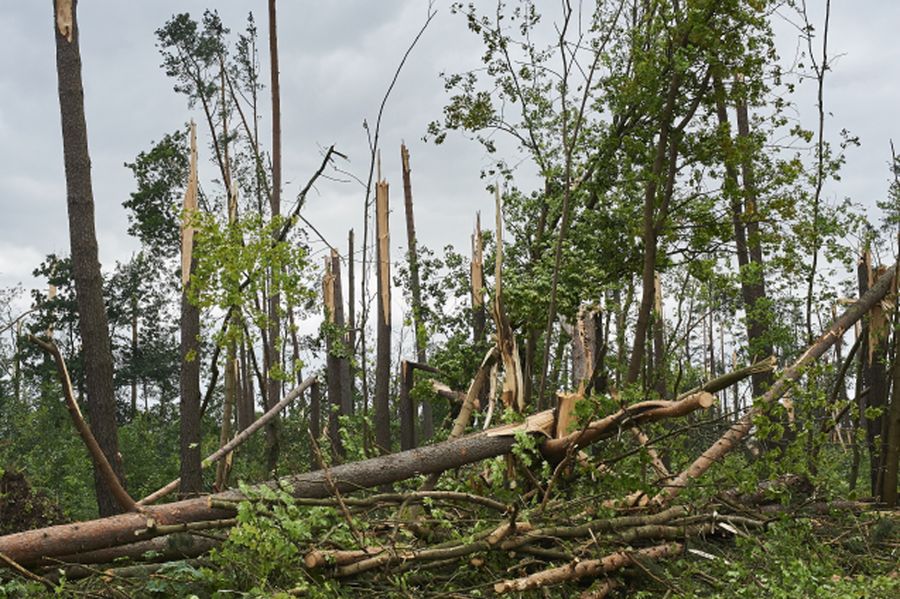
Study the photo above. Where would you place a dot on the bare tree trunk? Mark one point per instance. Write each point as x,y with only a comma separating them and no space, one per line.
315,420
892,438
659,345
755,302
351,319
650,232
407,408
134,350
246,408
415,288
273,393
334,316
383,327
92,321
476,278
231,392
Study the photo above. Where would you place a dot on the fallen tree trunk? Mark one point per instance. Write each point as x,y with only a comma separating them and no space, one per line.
581,569
742,427
30,546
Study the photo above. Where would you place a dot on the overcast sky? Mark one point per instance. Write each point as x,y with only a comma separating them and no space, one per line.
337,58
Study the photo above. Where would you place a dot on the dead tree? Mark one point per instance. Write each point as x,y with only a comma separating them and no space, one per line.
415,287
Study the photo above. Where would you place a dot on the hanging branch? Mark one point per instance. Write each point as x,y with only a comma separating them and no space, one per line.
112,481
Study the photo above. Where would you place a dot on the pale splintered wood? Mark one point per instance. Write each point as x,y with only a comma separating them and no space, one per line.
188,209
513,380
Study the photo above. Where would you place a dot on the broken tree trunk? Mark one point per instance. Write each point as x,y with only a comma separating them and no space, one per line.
742,427
477,282
383,320
414,286
513,385
28,547
338,364
189,378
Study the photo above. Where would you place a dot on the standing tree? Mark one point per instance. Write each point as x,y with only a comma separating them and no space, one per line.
92,322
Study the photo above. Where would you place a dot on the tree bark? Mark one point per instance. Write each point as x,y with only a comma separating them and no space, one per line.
407,408
415,288
273,393
189,349
383,320
92,318
28,547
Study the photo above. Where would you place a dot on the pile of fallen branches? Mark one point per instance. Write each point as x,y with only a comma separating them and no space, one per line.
565,548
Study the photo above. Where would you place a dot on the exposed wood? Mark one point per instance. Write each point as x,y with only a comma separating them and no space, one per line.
465,411
97,456
189,349
513,386
383,321
27,547
236,441
742,427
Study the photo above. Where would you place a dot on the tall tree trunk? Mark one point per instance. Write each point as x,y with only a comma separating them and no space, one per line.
189,381
650,229
415,288
892,438
659,345
383,327
92,319
351,317
315,420
337,373
134,350
273,394
758,310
